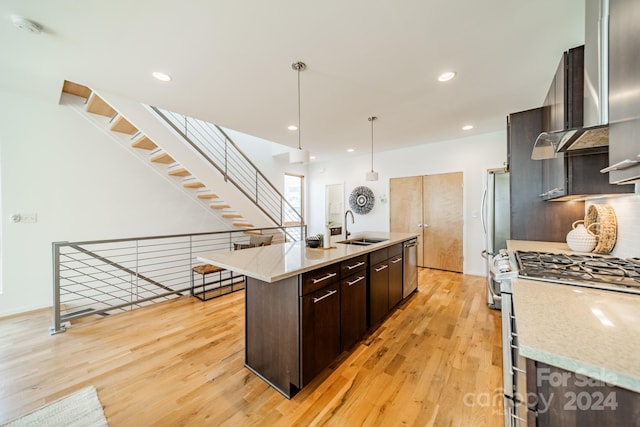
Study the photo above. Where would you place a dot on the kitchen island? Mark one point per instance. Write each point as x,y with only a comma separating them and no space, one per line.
305,306
581,346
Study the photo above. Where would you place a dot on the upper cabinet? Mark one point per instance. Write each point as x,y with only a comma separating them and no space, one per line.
562,108
624,96
573,174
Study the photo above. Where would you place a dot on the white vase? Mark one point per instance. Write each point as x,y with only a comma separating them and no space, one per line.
581,239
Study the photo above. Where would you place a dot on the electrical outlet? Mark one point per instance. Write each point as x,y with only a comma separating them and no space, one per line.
24,217
29,217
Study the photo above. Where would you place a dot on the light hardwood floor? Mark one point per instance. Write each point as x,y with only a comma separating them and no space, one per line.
435,361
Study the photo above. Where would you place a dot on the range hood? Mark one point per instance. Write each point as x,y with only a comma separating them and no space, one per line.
595,130
552,144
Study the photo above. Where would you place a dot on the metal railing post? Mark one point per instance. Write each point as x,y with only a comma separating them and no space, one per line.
226,160
57,326
229,174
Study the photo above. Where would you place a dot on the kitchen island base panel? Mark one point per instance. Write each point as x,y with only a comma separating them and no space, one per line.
272,333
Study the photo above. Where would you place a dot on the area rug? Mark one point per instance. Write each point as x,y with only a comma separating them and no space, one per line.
80,409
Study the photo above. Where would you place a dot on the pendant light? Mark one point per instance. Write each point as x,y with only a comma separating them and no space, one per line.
372,175
299,155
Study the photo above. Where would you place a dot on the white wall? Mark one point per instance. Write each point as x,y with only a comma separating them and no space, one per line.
83,186
627,210
472,156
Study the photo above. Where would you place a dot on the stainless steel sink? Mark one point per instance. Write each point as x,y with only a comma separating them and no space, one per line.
363,241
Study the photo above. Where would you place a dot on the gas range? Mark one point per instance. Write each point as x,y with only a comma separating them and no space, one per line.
593,271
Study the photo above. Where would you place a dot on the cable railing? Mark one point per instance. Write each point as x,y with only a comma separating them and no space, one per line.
103,277
216,146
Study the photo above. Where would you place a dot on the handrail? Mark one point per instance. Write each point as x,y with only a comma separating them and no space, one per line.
121,267
102,276
213,143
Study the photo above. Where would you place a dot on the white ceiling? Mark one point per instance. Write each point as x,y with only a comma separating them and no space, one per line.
231,62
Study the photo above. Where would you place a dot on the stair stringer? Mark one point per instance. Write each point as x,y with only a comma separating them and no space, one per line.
102,124
188,158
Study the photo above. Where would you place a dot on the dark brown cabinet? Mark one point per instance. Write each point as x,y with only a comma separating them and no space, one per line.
395,276
562,110
385,282
563,105
320,330
564,398
353,301
299,325
574,173
531,217
378,292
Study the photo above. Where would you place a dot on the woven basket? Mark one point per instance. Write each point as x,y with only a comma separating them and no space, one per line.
605,227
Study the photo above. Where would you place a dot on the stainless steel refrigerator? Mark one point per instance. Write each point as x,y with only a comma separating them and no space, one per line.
496,224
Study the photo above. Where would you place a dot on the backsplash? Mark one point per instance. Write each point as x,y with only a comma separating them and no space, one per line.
627,211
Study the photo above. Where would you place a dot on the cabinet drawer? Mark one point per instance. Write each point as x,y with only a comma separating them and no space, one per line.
378,256
316,279
353,265
395,250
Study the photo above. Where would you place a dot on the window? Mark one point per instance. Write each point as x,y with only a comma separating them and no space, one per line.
294,195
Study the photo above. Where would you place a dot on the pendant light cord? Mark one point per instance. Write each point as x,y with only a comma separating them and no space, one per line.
371,119
299,125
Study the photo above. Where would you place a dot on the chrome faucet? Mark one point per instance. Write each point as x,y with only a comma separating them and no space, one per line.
346,232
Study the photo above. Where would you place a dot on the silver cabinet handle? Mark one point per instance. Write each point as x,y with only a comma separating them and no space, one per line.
518,418
425,225
382,267
550,192
327,295
351,267
358,279
419,225
395,261
321,279
626,163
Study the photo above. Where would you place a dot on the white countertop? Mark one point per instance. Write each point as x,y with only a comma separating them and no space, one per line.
279,261
588,331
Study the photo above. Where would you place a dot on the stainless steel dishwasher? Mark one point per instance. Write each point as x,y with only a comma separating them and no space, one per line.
410,267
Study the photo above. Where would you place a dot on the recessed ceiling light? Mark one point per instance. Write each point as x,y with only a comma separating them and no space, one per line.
467,127
161,76
26,24
292,127
312,157
350,150
445,77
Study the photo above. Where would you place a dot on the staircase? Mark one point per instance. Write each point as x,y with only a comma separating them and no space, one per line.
95,105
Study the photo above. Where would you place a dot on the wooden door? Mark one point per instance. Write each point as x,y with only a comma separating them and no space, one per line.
442,221
405,208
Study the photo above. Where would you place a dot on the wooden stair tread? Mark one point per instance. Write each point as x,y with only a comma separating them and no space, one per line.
162,158
145,143
242,224
76,89
207,196
230,215
253,232
123,125
99,106
179,172
219,206
193,184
